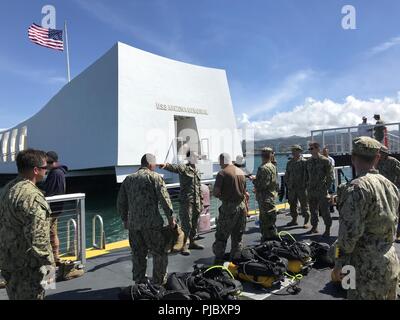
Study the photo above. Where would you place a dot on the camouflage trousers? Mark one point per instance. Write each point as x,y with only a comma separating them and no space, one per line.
24,284
142,242
267,219
189,213
376,278
295,196
319,204
231,223
54,241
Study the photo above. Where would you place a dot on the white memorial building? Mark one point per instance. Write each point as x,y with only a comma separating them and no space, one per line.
128,103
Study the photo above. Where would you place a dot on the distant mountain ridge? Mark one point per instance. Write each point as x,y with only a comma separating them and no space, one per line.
281,145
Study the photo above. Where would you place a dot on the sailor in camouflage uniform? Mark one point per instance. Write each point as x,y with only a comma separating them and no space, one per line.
319,172
389,167
137,204
295,179
368,207
230,188
191,201
266,192
26,257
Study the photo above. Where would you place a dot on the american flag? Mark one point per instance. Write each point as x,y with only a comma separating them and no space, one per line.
50,38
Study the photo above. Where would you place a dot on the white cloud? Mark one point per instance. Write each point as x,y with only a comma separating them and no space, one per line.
313,115
290,88
384,46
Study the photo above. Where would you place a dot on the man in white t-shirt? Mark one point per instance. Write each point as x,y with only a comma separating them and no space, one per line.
364,128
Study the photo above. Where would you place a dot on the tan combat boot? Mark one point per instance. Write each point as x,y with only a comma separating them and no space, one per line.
306,223
185,248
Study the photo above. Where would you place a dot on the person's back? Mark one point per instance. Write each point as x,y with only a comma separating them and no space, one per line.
141,190
265,182
138,204
380,205
16,200
230,188
232,183
373,223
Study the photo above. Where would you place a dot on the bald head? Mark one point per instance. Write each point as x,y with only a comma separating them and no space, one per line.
148,161
225,159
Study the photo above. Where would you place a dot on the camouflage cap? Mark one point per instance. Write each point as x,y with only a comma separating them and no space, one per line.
384,149
267,150
366,146
296,147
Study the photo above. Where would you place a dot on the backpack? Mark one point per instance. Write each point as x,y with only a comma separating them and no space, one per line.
176,287
320,252
298,253
213,283
142,291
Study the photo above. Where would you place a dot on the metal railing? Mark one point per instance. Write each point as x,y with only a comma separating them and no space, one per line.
102,244
72,246
69,209
339,140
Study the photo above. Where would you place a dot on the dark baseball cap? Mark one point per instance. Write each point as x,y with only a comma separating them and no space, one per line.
52,156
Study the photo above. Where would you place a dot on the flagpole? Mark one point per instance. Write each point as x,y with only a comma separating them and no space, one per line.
67,51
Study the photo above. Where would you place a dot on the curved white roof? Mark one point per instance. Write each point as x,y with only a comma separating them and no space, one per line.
123,106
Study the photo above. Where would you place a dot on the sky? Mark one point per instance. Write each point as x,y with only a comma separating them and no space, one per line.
291,66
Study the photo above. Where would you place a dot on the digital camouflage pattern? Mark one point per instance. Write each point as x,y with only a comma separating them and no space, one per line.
137,203
319,177
191,204
379,130
139,197
266,192
24,239
368,219
143,241
390,169
231,223
295,179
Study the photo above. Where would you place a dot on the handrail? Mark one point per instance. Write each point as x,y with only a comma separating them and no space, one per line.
66,197
102,245
71,250
79,224
356,127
